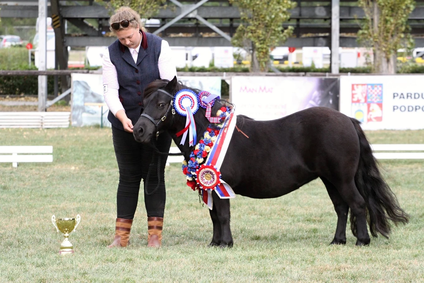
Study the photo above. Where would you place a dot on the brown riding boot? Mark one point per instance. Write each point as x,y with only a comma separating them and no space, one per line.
122,233
155,225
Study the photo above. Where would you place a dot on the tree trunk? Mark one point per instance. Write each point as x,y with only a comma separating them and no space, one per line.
382,63
389,65
254,64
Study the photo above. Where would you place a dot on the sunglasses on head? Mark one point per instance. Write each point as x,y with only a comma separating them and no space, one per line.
123,23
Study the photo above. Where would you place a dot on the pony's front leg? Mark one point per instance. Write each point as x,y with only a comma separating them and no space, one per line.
222,230
216,238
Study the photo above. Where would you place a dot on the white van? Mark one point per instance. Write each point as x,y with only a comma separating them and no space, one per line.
50,46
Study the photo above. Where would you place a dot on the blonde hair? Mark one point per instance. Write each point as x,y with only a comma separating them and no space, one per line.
125,13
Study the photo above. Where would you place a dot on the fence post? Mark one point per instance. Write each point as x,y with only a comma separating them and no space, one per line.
42,50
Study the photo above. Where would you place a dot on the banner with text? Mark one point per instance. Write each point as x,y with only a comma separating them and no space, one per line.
267,98
384,102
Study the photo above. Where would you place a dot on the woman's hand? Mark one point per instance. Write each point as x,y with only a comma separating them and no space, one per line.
128,126
126,123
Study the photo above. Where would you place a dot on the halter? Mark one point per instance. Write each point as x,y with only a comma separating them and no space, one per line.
170,107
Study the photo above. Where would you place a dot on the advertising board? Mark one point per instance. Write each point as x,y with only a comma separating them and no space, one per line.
384,102
267,98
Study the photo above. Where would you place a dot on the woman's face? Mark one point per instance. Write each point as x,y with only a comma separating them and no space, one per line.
130,37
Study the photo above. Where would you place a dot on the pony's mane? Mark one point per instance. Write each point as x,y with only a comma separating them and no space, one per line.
154,86
161,84
181,86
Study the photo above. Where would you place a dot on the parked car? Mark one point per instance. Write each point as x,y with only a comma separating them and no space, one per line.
10,40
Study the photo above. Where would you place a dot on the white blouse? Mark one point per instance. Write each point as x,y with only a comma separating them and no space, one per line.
167,71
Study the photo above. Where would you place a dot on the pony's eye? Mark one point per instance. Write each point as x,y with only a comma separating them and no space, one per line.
161,105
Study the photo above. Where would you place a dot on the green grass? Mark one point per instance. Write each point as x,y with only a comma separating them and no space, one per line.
277,240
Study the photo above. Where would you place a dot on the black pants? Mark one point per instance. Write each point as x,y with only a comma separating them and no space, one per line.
134,161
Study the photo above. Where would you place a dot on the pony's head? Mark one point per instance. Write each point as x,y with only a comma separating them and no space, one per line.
173,107
158,110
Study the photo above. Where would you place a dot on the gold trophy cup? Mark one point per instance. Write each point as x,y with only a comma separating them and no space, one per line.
66,226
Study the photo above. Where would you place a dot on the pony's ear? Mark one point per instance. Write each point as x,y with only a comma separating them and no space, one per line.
172,85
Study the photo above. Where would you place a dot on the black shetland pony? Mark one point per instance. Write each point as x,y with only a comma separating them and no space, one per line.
268,159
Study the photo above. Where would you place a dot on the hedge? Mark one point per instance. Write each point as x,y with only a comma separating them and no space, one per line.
16,58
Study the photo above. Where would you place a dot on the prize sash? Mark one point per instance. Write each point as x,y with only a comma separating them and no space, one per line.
208,177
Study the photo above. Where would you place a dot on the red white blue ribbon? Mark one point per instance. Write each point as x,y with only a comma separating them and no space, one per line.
207,198
215,159
186,104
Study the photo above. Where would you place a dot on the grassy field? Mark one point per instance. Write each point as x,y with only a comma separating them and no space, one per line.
277,240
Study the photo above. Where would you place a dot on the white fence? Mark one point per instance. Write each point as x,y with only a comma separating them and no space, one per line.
17,154
174,158
380,151
34,119
398,151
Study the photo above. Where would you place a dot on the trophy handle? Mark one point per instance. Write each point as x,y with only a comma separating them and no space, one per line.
78,219
54,222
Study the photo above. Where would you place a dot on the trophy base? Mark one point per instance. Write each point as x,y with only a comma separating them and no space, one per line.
66,252
66,247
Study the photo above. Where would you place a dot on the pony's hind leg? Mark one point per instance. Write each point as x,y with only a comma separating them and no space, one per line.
342,209
348,192
358,210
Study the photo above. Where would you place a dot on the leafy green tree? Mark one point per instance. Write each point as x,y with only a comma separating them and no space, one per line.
386,30
261,28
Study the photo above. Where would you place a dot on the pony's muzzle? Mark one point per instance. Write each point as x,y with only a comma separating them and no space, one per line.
140,135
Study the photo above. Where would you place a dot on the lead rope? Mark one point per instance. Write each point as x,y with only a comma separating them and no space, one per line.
146,183
158,154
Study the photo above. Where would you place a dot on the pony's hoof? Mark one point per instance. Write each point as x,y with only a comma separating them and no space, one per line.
214,244
363,243
221,245
338,242
224,246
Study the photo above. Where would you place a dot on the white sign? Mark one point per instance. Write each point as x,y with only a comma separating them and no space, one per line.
312,55
180,56
223,57
94,55
267,98
384,102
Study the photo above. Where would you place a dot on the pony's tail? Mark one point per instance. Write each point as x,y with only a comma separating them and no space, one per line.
382,204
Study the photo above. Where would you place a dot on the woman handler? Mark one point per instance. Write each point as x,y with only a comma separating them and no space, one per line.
133,61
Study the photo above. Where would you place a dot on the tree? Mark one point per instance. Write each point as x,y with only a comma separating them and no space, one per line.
386,30
261,28
146,8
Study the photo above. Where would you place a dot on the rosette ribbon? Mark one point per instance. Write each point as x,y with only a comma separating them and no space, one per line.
187,104
206,100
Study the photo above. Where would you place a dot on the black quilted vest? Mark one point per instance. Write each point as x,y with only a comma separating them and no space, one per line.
133,77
